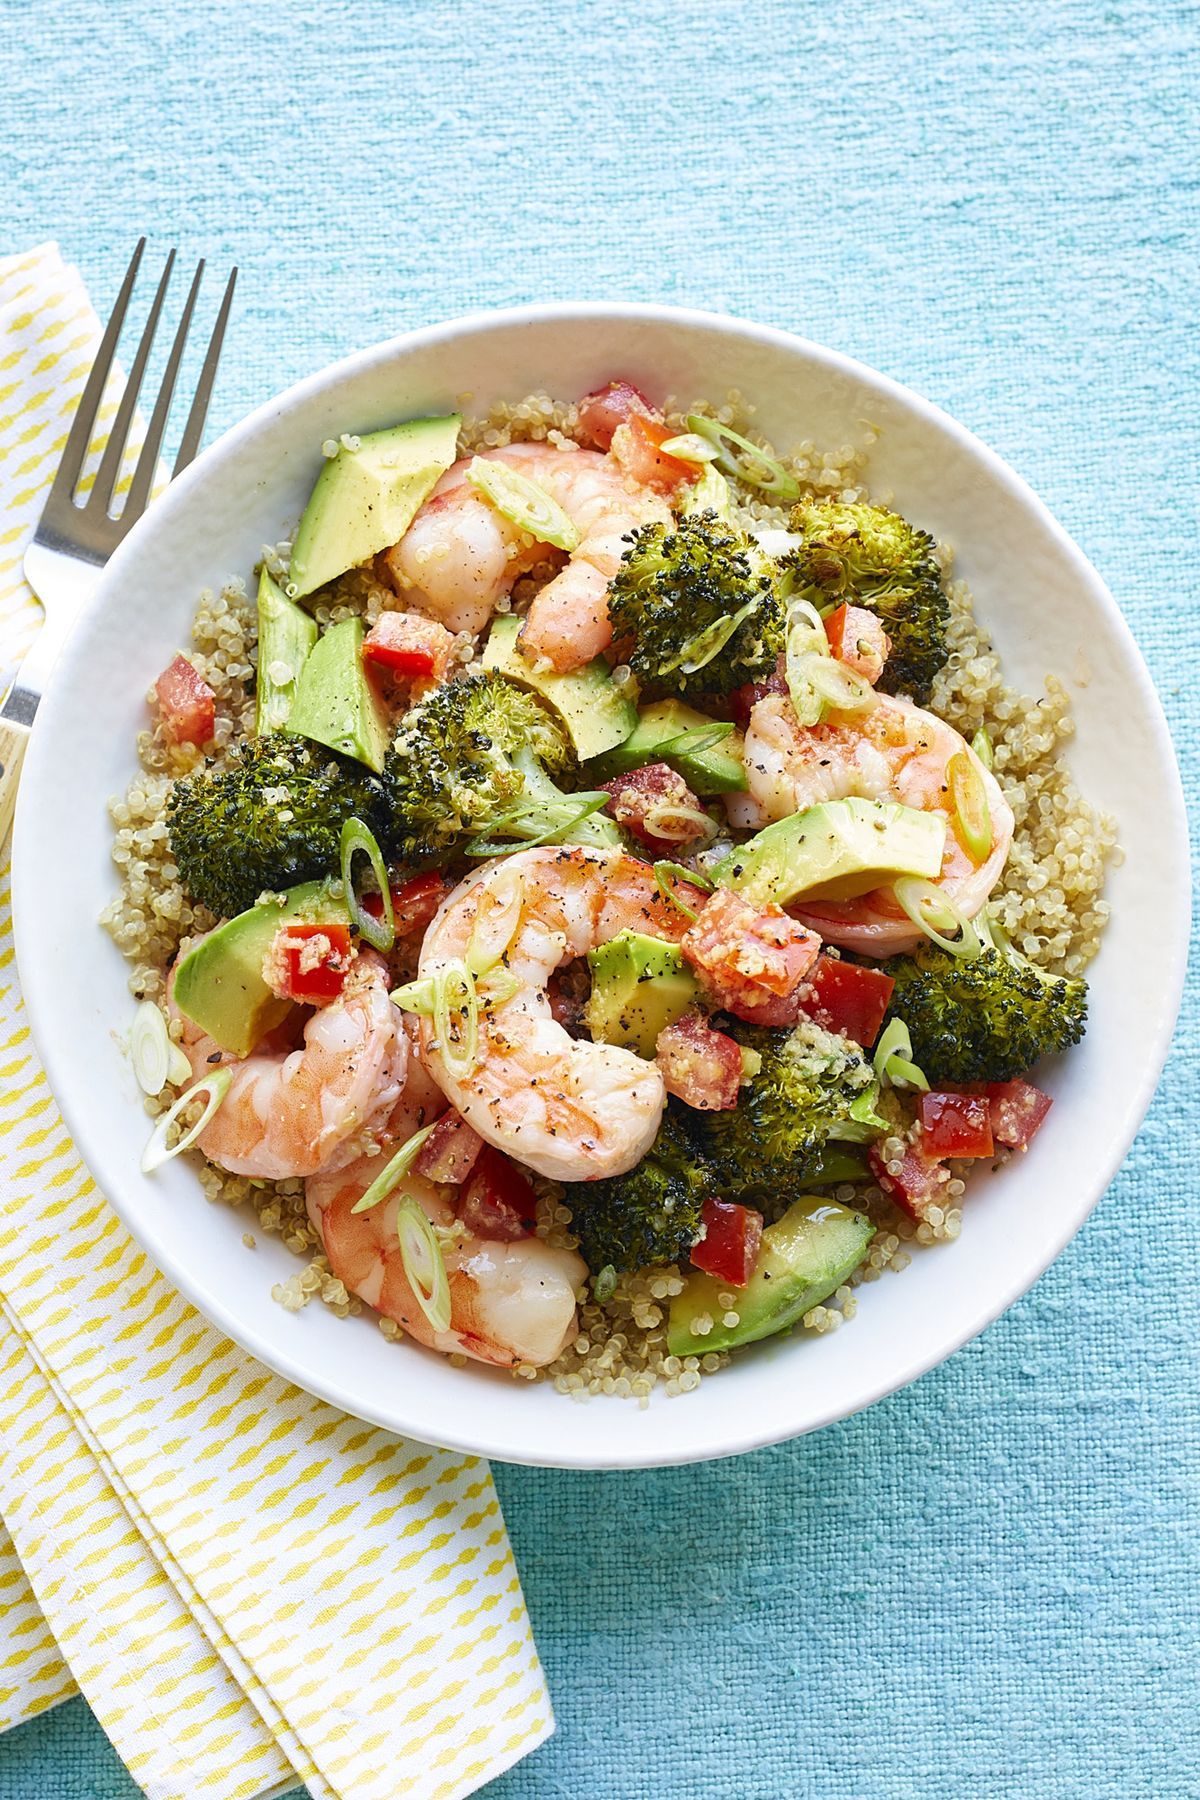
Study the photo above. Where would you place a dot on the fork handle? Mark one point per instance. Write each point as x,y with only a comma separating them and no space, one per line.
13,739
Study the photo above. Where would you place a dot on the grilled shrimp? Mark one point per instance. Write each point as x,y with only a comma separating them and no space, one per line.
460,556
895,752
293,1111
510,1301
570,1109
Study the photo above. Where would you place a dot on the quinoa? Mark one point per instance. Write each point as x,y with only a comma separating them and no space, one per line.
1049,900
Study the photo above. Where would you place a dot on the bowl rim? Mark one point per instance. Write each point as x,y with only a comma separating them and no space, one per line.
1171,947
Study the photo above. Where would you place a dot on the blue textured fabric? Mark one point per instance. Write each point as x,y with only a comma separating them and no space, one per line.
986,1586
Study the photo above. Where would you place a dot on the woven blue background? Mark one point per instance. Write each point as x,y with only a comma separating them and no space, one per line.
985,1587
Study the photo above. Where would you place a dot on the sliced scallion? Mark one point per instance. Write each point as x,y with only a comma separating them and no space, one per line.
456,1019
689,446
697,738
981,744
158,1151
744,461
700,651
604,1284
666,874
379,933
423,1262
893,1058
969,804
492,934
937,917
150,1049
842,689
536,822
679,824
710,494
418,997
526,503
393,1171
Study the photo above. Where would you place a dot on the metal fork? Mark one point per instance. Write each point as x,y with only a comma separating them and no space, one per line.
75,537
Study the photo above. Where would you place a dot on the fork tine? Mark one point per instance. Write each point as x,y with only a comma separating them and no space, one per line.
193,431
143,476
114,451
80,435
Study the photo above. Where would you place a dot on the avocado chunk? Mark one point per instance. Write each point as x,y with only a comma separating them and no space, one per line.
286,635
835,851
335,703
660,735
640,985
364,500
219,984
587,702
804,1257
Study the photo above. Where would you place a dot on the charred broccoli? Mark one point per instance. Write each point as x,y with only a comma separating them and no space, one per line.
271,817
812,1086
874,558
696,604
987,1019
652,1214
475,761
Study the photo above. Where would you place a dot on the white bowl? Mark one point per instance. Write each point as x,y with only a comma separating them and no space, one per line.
1048,610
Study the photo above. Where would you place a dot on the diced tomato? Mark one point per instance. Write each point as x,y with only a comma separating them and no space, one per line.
849,999
732,1236
187,705
652,803
413,904
407,644
917,1185
857,639
636,447
1017,1109
700,1066
450,1151
309,963
601,411
744,699
747,956
496,1201
955,1124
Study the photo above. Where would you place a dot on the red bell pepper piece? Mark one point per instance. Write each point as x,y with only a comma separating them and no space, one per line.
700,1066
636,446
917,1185
601,411
848,998
1017,1109
311,962
955,1124
413,904
729,1247
496,1201
187,705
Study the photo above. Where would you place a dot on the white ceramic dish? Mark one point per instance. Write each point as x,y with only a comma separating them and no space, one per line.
1049,611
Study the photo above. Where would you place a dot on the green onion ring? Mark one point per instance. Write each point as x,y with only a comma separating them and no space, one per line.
841,688
932,913
526,503
981,744
157,1151
423,1262
752,466
455,996
392,1171
508,894
969,804
659,818
893,1058
379,933
708,643
665,875
691,447
698,738
418,997
150,1049
575,808
604,1284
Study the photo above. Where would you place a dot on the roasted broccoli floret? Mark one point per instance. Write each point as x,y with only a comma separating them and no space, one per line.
271,817
475,761
696,606
987,1019
874,558
652,1214
812,1086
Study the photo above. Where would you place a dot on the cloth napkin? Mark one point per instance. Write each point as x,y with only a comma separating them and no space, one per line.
249,1587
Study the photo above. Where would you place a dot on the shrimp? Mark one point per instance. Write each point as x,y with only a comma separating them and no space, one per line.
896,752
460,556
570,1109
293,1111
510,1302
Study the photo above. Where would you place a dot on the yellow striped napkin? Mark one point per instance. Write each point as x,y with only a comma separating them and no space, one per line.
249,1587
